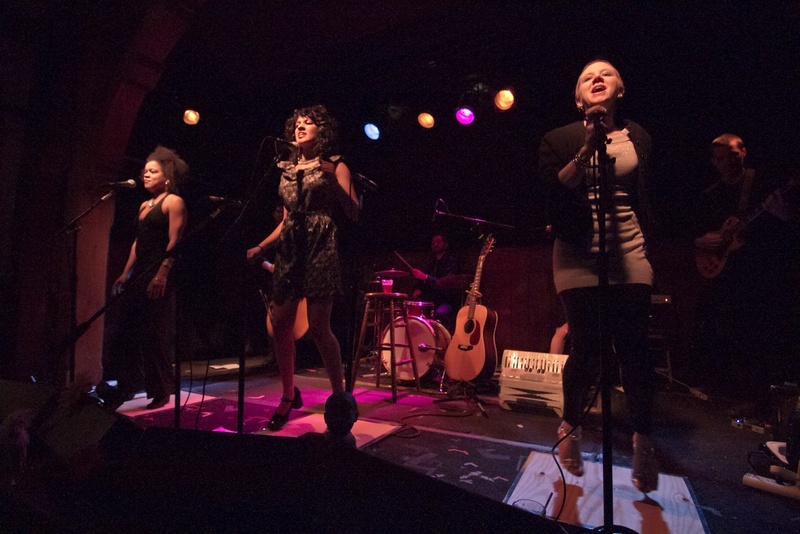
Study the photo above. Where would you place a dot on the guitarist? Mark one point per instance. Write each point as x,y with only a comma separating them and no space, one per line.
744,325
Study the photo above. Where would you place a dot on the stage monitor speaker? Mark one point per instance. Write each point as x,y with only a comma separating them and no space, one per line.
65,431
84,429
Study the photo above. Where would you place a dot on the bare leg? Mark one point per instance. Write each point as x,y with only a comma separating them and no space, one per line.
319,328
282,318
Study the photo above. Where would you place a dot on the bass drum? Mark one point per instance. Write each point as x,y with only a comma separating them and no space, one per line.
431,336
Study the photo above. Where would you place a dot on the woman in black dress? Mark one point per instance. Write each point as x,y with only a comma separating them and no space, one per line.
313,180
142,342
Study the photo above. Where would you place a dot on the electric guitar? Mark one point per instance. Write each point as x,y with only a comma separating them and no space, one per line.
301,319
472,353
710,263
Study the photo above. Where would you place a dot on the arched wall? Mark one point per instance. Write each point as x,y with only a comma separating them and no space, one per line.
73,99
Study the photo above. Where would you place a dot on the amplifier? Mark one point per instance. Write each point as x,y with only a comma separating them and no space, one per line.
532,380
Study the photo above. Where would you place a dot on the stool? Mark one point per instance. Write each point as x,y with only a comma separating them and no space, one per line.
377,307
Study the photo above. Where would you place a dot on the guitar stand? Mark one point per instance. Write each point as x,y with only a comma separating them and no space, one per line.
463,390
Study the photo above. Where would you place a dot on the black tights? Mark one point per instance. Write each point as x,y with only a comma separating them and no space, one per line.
627,321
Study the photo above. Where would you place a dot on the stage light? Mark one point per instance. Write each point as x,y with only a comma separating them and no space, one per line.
395,111
425,120
191,117
372,131
465,115
504,99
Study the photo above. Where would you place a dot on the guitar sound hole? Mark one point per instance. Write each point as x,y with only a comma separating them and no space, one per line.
469,325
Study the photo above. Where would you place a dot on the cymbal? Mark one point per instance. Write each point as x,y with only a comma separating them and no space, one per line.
391,273
454,281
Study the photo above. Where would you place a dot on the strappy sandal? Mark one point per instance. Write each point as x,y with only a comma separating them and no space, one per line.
278,420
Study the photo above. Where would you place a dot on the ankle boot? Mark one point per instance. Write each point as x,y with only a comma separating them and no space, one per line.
569,449
645,467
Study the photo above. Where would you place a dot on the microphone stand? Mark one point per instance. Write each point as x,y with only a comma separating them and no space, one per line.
604,205
73,228
478,223
356,271
242,363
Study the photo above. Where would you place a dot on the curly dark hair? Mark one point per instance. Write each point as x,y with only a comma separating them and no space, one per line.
175,169
326,123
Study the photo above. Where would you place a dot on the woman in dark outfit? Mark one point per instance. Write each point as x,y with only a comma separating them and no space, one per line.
307,260
146,325
568,161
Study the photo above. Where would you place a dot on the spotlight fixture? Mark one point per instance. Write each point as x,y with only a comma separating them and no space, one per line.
372,131
395,111
191,117
465,115
504,99
425,120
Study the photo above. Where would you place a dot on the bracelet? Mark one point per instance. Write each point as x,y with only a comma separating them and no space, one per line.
580,163
259,247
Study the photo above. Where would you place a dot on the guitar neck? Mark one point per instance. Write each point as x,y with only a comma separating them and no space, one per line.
472,298
753,214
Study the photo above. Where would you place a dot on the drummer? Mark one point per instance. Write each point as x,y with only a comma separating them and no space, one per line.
427,288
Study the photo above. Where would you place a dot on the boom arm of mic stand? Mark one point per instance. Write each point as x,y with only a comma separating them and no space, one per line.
477,222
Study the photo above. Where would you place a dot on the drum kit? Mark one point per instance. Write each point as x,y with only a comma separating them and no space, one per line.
430,338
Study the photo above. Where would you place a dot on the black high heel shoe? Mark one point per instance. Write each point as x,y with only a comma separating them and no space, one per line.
277,420
297,403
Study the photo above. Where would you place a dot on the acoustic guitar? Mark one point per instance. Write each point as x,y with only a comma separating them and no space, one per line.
710,263
472,353
301,319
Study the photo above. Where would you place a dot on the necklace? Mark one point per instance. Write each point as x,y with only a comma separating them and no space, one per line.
153,201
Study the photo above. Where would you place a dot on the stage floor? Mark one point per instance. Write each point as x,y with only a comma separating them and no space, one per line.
485,449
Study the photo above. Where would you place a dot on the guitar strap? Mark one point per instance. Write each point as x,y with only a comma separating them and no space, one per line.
747,186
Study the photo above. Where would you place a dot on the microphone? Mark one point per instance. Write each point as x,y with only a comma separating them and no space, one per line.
223,200
366,182
282,142
424,347
596,114
129,184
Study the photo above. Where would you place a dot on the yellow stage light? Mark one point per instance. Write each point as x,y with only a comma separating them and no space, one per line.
504,99
191,117
425,120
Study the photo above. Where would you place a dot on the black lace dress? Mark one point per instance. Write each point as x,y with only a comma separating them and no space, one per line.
307,260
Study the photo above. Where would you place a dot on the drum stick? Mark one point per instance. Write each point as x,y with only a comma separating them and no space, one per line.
410,268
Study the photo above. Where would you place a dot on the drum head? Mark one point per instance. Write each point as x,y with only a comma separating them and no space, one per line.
420,332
